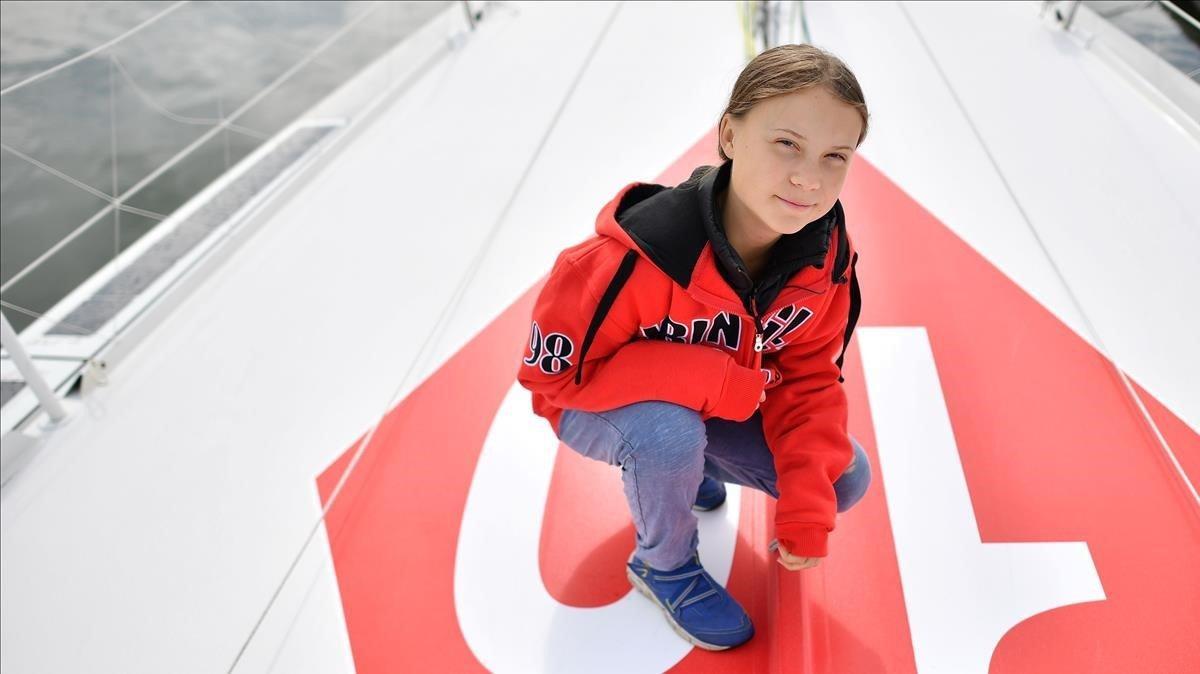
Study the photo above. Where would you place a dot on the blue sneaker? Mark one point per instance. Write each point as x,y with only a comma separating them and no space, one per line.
711,494
697,607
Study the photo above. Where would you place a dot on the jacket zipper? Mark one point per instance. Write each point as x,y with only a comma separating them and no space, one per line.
758,330
758,334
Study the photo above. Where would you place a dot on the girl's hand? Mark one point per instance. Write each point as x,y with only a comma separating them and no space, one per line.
793,563
771,377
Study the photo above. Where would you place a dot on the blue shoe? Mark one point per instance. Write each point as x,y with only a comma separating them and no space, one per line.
696,606
711,494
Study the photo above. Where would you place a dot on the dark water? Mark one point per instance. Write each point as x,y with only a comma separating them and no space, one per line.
1165,33
144,100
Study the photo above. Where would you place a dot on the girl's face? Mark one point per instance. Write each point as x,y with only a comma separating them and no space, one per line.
793,148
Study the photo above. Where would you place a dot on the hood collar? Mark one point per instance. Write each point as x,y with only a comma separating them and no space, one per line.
670,227
791,252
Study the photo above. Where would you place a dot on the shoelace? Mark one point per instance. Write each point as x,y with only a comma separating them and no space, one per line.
679,602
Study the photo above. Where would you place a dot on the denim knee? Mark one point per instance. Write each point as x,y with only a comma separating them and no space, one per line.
853,483
663,432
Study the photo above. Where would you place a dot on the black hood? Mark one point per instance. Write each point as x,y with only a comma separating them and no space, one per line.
672,226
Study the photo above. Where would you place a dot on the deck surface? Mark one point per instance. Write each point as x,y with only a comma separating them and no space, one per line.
1020,210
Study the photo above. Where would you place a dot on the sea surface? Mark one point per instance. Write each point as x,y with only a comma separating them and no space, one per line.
106,124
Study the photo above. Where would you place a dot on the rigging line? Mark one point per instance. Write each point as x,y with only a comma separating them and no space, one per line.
1095,335
55,248
72,61
53,171
463,283
76,233
276,83
84,332
183,119
81,185
142,212
117,203
112,135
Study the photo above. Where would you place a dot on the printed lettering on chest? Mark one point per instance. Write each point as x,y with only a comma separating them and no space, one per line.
782,323
725,329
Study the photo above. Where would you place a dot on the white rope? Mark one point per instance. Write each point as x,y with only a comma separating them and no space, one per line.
204,121
91,52
85,332
1091,329
50,169
56,247
179,156
257,97
119,203
112,152
112,203
140,211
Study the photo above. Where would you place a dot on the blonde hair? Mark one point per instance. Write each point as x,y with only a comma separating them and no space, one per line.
789,68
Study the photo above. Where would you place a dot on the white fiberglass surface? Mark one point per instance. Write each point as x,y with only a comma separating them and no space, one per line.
1040,156
151,533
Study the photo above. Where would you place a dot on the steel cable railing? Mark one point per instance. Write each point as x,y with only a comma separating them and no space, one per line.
117,198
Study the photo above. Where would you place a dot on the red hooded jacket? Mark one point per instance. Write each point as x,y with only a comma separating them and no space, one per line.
656,305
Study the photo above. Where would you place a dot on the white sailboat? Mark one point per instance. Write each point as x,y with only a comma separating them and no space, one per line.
301,447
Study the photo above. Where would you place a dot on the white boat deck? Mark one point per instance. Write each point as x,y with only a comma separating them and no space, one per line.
158,529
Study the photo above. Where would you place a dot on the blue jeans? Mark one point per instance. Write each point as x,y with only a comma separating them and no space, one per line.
664,451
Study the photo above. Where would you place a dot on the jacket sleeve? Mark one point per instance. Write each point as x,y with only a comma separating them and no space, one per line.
804,422
619,371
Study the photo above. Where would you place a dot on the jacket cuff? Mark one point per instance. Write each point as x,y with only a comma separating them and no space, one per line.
739,397
803,540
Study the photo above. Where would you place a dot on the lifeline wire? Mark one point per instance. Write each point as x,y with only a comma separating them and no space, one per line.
95,50
30,312
226,123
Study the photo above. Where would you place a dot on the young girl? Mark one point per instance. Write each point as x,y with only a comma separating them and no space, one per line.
697,337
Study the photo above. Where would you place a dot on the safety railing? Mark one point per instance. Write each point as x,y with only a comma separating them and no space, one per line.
101,147
161,130
1154,45
1160,25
